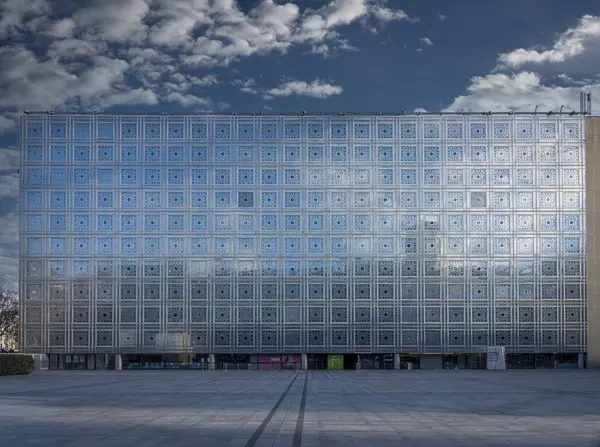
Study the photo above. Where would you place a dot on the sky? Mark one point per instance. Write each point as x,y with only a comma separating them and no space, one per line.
284,55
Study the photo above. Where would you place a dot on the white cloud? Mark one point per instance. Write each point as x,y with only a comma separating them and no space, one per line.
340,12
10,228
9,178
344,44
329,50
571,43
9,185
131,96
231,35
46,84
70,49
426,41
188,100
565,78
316,89
441,16
181,83
279,18
500,92
320,49
8,122
204,81
504,89
148,66
384,14
139,56
60,29
9,159
113,20
177,20
247,85
16,16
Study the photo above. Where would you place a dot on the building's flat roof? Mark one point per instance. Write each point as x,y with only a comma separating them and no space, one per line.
261,113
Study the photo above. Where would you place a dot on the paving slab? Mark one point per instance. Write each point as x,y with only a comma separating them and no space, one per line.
301,409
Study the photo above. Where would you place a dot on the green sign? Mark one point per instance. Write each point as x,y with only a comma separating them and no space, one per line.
335,361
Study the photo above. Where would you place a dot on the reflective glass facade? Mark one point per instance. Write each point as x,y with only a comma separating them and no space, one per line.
302,233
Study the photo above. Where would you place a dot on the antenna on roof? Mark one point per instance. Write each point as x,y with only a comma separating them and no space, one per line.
585,103
588,103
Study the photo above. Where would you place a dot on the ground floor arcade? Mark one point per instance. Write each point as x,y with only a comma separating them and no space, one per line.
295,361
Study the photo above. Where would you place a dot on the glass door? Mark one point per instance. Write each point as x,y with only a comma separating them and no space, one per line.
78,361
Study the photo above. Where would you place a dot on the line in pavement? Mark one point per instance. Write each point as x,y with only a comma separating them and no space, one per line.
297,442
261,428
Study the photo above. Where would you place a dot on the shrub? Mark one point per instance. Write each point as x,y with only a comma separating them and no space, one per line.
13,364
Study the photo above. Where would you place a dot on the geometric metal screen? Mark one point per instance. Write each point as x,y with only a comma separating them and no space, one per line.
302,233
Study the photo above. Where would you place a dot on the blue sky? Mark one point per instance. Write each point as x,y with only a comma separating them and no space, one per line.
343,55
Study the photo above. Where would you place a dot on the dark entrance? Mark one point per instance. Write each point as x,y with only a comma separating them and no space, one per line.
520,361
317,361
377,361
450,361
350,361
81,361
410,361
232,361
541,360
387,361
544,361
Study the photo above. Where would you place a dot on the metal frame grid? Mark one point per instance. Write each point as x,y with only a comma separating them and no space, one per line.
353,233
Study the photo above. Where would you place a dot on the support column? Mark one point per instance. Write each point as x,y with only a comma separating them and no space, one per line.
396,361
118,362
581,360
304,362
211,362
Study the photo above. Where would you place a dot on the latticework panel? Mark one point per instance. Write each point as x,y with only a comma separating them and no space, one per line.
307,233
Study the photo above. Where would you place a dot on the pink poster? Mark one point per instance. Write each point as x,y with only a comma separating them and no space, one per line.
272,362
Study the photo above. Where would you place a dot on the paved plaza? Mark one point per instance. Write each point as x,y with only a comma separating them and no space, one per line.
318,408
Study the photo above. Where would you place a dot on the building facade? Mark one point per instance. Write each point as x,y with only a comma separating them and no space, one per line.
592,137
303,234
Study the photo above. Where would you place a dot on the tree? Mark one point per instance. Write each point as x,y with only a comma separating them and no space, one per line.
9,317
